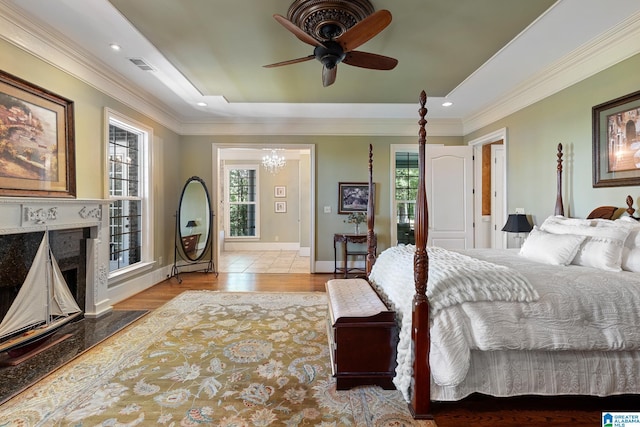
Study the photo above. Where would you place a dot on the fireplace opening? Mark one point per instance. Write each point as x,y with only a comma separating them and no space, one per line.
17,252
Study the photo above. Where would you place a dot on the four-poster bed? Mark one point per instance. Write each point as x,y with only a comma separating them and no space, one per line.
458,336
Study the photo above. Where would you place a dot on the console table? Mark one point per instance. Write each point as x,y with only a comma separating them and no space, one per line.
347,240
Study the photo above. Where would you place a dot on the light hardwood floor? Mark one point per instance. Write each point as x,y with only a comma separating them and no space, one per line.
477,411
154,297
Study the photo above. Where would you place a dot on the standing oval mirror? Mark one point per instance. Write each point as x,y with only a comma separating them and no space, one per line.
194,218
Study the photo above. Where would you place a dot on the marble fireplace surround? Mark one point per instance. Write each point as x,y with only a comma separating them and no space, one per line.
26,215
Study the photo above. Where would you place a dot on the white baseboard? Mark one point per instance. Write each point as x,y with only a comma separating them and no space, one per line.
129,288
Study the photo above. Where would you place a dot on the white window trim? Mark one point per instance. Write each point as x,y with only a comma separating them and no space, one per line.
227,221
147,175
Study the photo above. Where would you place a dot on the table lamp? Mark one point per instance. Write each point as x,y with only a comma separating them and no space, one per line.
190,224
517,223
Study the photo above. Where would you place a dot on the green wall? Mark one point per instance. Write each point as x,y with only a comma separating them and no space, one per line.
534,133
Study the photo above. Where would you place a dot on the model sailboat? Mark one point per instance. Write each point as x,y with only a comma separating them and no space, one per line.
43,304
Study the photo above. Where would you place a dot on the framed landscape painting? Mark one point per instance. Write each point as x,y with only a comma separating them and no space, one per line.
37,150
616,142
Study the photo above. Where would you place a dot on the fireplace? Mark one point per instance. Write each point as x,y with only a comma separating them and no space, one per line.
77,241
17,252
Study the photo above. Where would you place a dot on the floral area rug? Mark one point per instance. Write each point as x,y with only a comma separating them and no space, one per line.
214,359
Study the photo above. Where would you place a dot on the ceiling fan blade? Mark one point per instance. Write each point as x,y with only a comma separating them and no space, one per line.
370,60
364,30
291,61
329,75
297,31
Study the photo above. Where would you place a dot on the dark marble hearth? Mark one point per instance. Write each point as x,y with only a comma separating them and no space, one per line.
85,333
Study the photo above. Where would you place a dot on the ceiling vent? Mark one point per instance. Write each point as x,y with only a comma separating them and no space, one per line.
142,64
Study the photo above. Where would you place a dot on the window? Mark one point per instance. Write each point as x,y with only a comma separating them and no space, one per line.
241,193
406,194
129,179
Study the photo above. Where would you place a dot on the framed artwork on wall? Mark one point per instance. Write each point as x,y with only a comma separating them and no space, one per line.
281,207
37,147
353,197
616,142
280,191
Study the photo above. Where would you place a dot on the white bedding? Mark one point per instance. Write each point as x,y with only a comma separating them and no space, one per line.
577,308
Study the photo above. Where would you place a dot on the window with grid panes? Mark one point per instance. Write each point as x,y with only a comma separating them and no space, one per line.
406,194
128,182
242,207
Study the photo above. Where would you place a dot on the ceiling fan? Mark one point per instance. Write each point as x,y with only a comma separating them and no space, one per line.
338,45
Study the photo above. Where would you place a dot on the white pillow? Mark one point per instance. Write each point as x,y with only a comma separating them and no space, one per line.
548,248
560,225
631,250
604,241
633,240
631,259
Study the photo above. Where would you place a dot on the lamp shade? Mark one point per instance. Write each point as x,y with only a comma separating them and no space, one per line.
517,223
191,223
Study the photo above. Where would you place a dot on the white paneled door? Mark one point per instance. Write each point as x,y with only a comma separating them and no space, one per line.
450,196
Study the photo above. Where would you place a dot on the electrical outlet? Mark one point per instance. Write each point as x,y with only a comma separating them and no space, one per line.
159,260
520,211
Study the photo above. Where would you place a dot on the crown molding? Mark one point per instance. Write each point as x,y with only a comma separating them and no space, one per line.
349,127
17,29
614,46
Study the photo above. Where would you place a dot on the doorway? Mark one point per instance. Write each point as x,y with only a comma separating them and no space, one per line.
279,237
490,198
449,187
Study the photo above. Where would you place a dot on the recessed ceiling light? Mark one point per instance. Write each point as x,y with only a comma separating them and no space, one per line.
447,104
201,104
115,46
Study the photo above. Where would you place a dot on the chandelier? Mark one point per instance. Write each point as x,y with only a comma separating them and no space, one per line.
273,162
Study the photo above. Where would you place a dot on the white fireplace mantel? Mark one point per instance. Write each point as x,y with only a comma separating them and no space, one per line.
26,215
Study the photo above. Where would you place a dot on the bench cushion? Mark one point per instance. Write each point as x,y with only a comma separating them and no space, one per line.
353,298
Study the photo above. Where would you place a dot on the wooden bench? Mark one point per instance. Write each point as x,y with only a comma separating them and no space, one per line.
362,335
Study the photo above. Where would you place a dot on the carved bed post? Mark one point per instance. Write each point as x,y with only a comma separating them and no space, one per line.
559,204
371,236
630,210
420,339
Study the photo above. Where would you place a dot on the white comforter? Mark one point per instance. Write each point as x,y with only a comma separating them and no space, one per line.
547,307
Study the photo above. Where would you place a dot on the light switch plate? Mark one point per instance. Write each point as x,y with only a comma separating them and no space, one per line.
327,209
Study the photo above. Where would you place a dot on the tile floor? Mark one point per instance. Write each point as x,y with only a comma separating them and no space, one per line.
263,262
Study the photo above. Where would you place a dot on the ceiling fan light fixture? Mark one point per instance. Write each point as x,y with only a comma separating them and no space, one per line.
343,38
330,54
327,19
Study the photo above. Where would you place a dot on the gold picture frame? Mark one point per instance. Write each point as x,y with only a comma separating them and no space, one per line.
37,147
616,142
